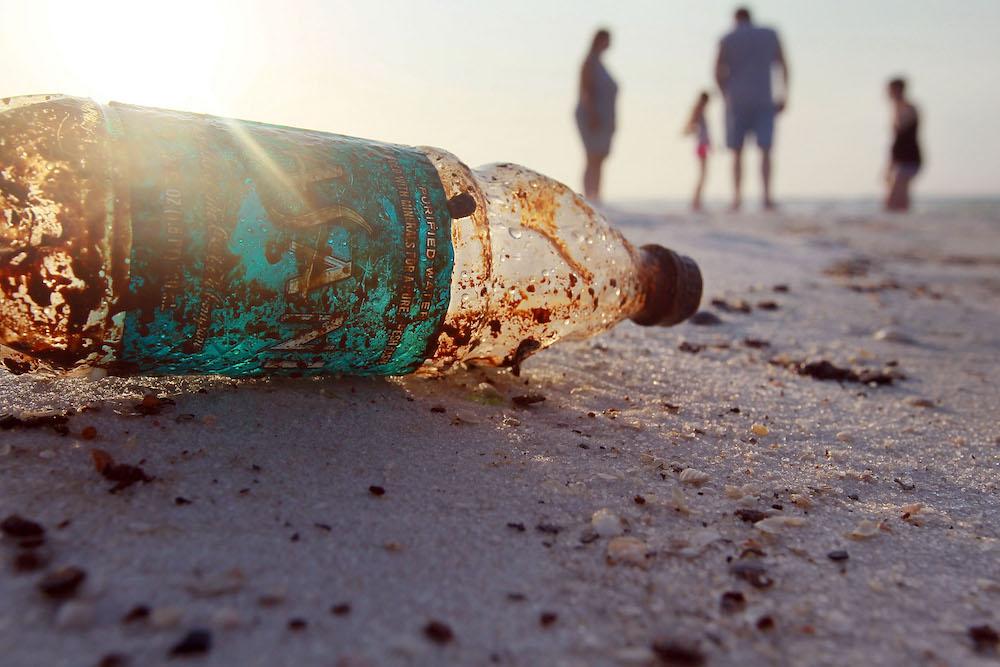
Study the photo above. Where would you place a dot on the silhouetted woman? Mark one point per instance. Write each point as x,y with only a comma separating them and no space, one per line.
595,113
905,159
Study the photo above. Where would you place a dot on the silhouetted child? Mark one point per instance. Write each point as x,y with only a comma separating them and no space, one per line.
698,127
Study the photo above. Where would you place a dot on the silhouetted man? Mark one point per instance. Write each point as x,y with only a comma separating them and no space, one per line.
743,70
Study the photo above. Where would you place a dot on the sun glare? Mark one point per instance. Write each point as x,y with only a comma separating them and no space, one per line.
158,54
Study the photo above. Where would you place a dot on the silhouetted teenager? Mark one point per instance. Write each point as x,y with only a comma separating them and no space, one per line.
905,158
697,126
743,71
595,113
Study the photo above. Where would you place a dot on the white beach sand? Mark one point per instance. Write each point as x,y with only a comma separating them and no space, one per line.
485,521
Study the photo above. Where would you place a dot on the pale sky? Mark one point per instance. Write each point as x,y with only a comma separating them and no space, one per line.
497,81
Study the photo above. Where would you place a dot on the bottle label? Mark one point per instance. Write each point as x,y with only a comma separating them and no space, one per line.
265,249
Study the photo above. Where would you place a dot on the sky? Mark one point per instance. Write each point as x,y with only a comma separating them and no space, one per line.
497,81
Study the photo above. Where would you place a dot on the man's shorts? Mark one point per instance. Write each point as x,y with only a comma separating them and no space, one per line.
741,121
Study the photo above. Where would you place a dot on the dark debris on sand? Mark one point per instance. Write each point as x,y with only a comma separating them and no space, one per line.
438,632
122,474
526,400
62,583
58,423
823,369
195,642
704,318
678,654
151,404
17,527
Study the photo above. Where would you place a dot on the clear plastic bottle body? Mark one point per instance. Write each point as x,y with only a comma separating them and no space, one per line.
535,263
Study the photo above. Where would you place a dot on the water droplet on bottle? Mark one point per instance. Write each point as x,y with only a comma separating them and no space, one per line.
465,275
516,232
465,300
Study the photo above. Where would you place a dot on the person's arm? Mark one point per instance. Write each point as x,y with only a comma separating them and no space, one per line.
721,69
783,65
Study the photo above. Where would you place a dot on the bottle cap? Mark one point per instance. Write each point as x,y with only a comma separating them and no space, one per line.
673,287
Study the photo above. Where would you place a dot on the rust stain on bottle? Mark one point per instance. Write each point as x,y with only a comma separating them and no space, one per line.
539,206
55,251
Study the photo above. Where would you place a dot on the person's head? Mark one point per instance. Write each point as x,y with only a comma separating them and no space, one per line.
742,16
602,40
702,100
897,89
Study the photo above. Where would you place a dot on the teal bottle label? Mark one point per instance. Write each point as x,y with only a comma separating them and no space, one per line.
264,249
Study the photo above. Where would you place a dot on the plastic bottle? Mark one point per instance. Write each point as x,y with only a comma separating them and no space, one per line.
146,241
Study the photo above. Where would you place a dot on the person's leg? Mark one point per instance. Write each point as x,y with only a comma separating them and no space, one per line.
592,177
702,168
898,198
765,175
736,130
764,133
737,179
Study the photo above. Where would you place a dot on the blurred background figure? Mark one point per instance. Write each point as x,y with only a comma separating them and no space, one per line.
904,158
595,113
697,127
743,70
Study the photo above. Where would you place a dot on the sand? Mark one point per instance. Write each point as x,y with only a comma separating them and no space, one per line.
265,511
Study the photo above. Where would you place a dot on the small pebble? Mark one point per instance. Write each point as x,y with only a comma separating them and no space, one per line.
606,523
838,555
775,524
759,430
628,550
864,530
891,335
844,436
75,615
752,572
547,618
920,402
227,618
693,477
164,618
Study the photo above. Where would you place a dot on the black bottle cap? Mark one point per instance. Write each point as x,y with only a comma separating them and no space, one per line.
673,287
462,205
